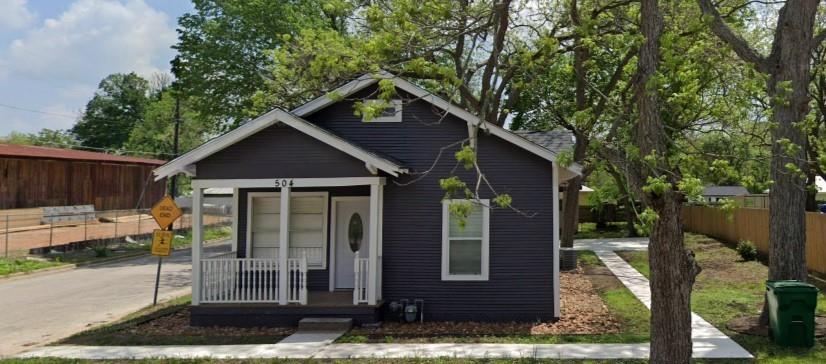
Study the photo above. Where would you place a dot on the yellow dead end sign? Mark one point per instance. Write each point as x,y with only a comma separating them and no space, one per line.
162,242
166,212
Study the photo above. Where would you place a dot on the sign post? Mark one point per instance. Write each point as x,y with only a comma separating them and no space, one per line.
165,213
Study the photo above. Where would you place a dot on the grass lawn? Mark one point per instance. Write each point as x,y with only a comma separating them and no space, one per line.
139,247
160,325
621,304
19,265
729,288
588,230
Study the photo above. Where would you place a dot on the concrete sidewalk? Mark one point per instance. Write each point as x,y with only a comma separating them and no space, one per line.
709,342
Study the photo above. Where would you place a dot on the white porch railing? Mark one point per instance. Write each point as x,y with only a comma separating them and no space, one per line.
361,270
297,278
315,256
224,255
227,279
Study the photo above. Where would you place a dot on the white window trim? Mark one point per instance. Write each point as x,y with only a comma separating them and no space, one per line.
446,276
326,213
395,118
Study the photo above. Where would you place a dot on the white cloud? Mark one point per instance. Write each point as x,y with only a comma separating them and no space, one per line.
15,14
92,39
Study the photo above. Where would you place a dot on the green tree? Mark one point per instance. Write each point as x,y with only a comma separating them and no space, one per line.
223,46
788,69
574,90
154,135
118,105
45,138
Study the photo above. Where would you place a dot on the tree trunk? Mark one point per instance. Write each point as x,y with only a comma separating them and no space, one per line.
570,205
630,217
672,268
672,276
788,90
811,191
570,214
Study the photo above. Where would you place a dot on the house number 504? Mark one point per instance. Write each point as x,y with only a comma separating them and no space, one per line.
283,183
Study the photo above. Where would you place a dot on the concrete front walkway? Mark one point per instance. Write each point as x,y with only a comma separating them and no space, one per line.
709,343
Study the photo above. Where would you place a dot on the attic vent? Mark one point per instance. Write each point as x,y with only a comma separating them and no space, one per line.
391,114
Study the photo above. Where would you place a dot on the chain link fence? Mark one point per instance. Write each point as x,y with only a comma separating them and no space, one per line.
38,233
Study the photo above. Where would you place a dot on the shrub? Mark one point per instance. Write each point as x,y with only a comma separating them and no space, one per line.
747,250
100,250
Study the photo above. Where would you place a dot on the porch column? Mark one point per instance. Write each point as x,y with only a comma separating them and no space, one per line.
197,237
284,246
556,213
235,198
375,206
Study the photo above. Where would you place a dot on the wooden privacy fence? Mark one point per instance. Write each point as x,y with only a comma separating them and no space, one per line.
753,225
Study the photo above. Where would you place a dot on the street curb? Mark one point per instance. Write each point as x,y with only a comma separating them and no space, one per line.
73,266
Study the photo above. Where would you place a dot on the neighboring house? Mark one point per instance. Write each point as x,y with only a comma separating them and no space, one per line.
714,194
33,176
368,226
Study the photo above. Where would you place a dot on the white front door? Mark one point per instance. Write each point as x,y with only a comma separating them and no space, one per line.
351,212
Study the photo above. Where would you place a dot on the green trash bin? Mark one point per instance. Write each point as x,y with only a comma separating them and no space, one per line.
792,312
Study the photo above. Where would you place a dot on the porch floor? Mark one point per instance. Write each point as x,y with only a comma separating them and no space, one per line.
319,304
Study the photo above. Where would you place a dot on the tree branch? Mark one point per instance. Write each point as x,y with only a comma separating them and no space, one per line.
738,44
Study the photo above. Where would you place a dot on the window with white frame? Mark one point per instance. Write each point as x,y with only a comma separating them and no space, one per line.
465,242
308,226
391,114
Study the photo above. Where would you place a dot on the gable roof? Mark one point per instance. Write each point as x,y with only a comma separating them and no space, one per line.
186,162
725,191
368,79
555,140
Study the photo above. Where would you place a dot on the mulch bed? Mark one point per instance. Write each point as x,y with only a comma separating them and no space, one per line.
583,313
750,325
178,324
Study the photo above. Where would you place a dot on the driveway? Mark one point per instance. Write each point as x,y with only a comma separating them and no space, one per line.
41,309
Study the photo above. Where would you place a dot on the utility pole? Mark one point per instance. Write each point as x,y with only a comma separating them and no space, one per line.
173,186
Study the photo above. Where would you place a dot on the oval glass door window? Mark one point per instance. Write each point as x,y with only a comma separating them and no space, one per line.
355,232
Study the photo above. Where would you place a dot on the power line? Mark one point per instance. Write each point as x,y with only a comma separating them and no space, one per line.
39,111
107,150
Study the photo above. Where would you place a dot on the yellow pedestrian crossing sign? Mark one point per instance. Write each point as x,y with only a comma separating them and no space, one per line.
162,242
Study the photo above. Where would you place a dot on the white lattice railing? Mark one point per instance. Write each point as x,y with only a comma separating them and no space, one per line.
361,270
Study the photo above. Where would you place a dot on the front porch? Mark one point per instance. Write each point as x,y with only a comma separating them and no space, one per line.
319,304
256,281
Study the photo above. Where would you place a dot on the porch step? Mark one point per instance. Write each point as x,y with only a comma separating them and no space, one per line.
325,324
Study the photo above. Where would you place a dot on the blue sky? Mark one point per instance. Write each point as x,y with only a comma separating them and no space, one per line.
54,53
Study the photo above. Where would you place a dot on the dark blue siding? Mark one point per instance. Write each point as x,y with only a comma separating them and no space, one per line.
520,285
280,151
521,257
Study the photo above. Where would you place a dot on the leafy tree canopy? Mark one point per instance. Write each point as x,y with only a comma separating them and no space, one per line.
118,105
222,47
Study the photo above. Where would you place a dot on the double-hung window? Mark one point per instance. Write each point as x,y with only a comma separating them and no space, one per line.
465,246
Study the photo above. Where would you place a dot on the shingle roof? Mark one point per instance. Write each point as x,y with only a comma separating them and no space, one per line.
725,191
28,151
554,140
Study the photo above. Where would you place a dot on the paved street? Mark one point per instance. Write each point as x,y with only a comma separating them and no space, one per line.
41,309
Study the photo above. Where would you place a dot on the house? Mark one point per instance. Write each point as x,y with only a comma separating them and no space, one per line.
32,176
369,229
714,194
